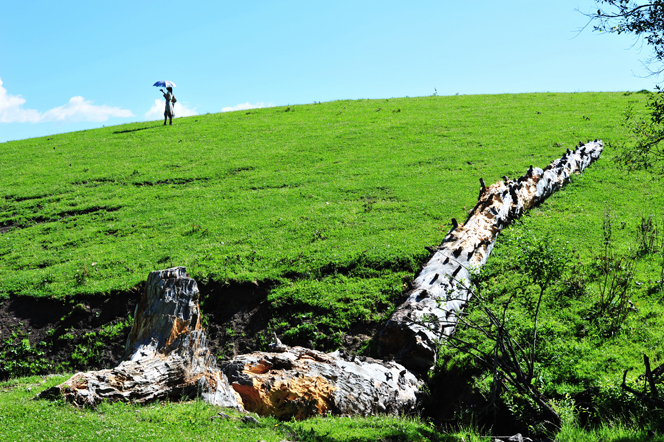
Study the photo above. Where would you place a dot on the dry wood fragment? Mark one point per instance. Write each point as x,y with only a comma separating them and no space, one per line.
167,356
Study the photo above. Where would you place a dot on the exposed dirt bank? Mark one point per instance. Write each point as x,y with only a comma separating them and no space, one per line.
89,332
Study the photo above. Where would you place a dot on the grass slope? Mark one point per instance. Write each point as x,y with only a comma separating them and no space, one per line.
273,192
328,206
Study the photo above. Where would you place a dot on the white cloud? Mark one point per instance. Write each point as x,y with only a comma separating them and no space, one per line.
245,106
78,109
157,110
11,110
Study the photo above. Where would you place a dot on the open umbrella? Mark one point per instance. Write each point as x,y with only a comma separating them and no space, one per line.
164,84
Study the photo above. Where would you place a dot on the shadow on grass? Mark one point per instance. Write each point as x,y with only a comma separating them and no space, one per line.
313,435
630,439
644,437
136,130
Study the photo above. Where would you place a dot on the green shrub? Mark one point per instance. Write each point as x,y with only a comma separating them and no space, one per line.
19,358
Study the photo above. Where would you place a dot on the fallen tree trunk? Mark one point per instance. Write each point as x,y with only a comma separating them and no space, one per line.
166,355
442,288
298,382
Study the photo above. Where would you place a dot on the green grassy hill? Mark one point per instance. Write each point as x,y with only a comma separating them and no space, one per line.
326,208
329,204
279,193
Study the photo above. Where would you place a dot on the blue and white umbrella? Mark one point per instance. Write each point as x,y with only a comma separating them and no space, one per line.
164,84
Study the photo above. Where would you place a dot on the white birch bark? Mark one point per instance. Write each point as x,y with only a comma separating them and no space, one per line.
441,288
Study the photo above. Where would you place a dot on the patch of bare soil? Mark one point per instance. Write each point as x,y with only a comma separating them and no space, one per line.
238,317
57,326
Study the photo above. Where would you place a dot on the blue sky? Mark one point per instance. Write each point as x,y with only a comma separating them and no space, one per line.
73,65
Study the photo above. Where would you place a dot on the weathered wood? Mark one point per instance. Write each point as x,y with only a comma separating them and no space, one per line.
298,382
442,288
166,355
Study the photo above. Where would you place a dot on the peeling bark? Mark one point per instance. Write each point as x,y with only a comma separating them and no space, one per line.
166,355
442,287
299,383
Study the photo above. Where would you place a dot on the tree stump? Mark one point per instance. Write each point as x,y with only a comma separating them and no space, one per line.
166,355
442,287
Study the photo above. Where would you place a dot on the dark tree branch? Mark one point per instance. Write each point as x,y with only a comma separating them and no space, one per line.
627,16
640,396
651,381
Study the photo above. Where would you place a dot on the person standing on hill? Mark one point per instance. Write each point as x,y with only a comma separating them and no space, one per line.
169,112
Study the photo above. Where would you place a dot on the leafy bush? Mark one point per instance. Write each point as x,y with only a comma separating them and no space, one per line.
544,325
19,358
87,353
